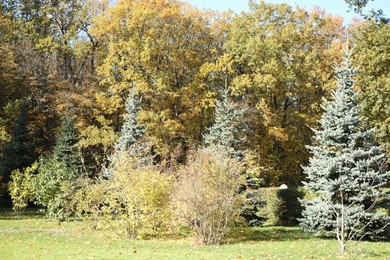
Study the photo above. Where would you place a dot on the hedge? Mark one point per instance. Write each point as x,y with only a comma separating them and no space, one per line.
280,206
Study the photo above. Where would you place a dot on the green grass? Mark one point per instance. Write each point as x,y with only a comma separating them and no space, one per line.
34,237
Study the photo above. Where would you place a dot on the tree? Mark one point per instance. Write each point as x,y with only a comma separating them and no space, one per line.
158,47
131,132
129,143
21,188
134,200
281,60
226,127
65,148
57,173
18,153
346,170
54,188
358,5
372,58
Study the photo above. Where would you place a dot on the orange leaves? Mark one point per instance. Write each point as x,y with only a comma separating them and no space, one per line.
157,48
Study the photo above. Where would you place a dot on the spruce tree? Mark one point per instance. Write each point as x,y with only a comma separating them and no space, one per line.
346,170
19,152
65,148
128,145
226,127
57,173
130,131
225,134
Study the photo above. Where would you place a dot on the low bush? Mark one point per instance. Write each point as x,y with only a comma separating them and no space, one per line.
54,188
132,201
207,195
21,188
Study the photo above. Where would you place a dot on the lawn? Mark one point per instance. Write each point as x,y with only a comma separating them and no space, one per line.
34,237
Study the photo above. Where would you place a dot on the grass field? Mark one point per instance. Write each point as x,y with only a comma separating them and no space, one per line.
33,237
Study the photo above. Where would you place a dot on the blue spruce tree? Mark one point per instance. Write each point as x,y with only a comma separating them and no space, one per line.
131,131
226,132
226,128
347,169
128,144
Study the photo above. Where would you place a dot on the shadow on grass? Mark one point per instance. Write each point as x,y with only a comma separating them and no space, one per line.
30,213
273,233
181,233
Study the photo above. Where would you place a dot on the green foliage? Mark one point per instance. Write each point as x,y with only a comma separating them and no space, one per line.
54,187
372,59
18,153
252,206
131,132
65,148
134,201
290,209
130,141
226,127
280,206
207,194
57,174
21,188
346,170
358,7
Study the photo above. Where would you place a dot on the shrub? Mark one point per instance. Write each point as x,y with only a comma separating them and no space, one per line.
280,206
207,194
54,188
21,188
133,200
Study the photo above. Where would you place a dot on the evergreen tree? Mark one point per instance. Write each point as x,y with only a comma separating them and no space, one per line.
19,152
129,145
131,131
57,174
226,127
225,132
346,170
65,148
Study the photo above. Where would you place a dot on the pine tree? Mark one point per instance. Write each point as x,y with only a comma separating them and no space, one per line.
65,148
18,153
226,127
346,170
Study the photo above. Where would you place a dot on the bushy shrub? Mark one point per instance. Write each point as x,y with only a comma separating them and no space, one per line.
54,188
132,201
280,206
21,188
207,195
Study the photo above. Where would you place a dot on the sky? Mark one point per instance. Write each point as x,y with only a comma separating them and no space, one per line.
337,7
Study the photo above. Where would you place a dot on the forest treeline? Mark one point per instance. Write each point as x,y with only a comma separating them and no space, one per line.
274,62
